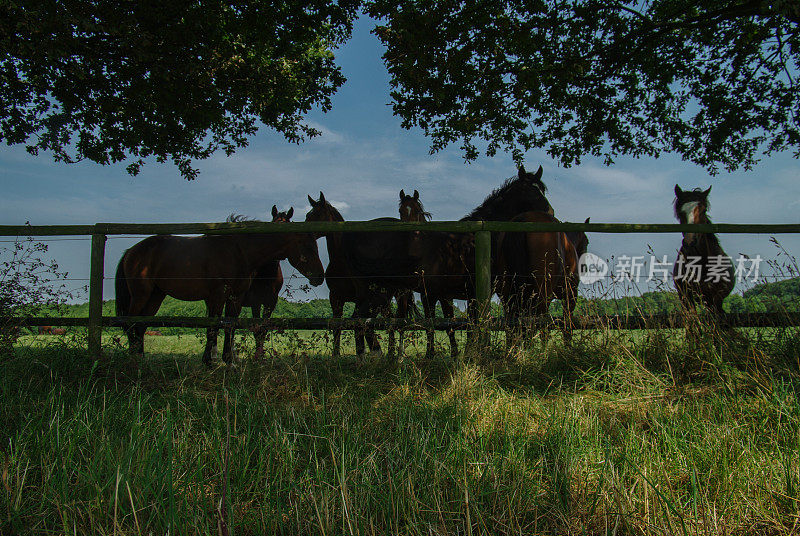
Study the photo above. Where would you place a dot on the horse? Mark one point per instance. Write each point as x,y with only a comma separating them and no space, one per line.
347,285
441,266
536,268
703,272
411,209
217,269
266,285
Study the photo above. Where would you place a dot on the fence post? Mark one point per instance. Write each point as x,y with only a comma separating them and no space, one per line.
483,283
96,294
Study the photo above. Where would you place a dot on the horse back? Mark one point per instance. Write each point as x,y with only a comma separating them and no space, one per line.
187,268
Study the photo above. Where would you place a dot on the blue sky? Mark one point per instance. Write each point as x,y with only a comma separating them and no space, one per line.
361,162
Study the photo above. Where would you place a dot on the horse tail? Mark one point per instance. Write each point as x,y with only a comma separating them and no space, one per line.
123,300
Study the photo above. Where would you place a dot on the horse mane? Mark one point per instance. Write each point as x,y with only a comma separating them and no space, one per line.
235,218
497,196
335,210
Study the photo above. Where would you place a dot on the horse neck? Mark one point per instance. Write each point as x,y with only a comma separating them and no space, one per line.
448,254
505,206
260,249
706,245
334,243
492,213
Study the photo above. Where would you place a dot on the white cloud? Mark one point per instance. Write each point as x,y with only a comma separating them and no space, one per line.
328,135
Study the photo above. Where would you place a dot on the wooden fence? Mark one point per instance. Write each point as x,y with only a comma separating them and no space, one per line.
481,229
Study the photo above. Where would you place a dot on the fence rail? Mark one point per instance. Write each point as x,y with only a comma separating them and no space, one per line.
618,322
373,226
481,229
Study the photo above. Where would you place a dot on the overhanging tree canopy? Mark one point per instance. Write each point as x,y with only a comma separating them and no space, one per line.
714,81
119,80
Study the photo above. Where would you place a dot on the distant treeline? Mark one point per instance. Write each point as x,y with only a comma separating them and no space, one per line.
774,297
766,297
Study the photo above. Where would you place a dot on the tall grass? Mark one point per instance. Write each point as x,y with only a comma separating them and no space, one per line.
623,433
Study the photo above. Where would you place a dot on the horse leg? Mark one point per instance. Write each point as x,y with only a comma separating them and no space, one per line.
361,312
448,309
720,321
513,308
232,310
505,302
214,310
686,300
270,302
542,309
337,306
390,331
568,303
259,334
371,337
404,302
472,315
358,331
142,305
429,306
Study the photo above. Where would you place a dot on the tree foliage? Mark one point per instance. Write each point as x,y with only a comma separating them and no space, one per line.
30,285
712,80
113,81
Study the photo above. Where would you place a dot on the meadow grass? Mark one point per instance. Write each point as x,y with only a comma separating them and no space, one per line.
622,433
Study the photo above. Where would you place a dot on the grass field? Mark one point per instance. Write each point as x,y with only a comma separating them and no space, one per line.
624,433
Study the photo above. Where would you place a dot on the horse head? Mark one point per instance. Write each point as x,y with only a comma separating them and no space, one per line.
411,208
579,240
691,206
322,210
282,217
304,256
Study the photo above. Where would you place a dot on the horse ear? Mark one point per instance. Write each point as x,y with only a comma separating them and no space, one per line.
290,213
416,195
587,220
678,190
537,177
521,173
402,194
321,197
311,201
274,211
705,193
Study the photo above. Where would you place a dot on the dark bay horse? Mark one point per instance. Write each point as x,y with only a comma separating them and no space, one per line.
441,265
267,283
450,268
703,271
536,268
346,284
217,269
